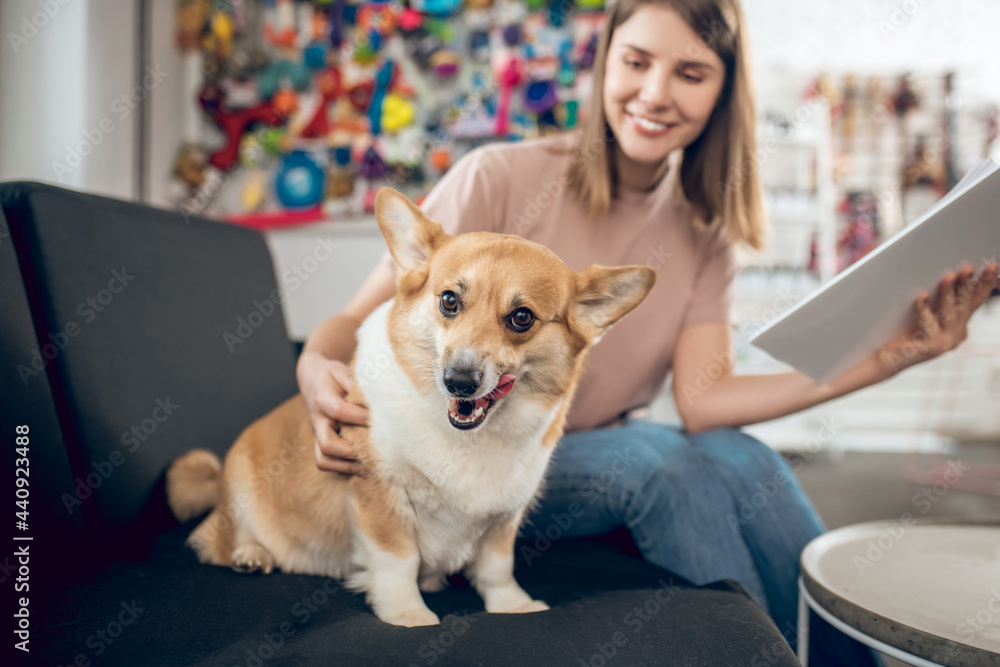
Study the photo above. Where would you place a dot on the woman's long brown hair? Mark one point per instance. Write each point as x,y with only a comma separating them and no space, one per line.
718,171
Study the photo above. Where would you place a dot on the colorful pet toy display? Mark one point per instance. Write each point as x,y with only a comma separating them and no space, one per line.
314,105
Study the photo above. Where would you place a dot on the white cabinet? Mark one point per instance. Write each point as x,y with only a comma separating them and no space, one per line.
319,267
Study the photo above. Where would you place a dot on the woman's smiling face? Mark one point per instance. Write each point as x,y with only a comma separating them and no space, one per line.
661,83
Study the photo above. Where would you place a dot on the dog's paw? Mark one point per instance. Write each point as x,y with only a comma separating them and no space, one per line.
251,558
432,583
527,608
414,618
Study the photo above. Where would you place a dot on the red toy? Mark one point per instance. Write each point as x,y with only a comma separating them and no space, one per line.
360,95
410,19
234,124
328,84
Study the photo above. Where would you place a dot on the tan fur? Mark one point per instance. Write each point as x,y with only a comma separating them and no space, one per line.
271,472
273,508
374,501
374,506
504,537
194,483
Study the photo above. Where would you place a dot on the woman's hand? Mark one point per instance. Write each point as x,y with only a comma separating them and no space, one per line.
324,382
940,326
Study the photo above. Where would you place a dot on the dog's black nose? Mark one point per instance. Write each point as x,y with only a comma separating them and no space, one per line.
462,382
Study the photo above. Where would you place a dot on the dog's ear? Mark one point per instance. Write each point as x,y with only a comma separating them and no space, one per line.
410,235
605,294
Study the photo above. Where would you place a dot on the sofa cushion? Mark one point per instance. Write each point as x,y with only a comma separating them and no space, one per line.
158,333
608,607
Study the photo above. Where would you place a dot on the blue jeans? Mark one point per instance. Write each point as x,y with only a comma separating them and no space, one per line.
713,505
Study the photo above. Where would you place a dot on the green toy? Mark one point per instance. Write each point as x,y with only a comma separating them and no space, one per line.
270,140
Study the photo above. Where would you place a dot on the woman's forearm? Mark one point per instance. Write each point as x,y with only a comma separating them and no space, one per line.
739,400
334,338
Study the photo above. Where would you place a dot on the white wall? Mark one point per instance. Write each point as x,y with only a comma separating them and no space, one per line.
60,76
167,102
878,36
42,95
792,41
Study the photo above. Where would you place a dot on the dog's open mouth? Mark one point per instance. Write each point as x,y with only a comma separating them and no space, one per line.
470,414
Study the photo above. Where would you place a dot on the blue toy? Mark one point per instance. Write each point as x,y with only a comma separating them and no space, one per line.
299,181
382,80
270,79
437,7
315,55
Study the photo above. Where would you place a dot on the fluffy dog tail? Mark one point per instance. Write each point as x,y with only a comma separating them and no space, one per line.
194,484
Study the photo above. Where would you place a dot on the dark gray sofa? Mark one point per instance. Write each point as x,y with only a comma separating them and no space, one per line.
115,357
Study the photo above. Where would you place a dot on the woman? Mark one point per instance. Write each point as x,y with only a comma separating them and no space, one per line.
663,174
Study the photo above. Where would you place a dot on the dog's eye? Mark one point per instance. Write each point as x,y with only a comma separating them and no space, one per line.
448,303
520,321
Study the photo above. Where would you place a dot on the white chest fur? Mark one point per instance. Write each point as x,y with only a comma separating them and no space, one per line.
458,483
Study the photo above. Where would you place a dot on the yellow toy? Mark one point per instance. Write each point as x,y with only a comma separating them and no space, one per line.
397,113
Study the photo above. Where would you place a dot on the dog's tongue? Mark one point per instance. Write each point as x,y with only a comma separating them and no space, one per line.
503,387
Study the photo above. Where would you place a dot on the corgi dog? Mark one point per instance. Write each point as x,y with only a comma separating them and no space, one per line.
467,375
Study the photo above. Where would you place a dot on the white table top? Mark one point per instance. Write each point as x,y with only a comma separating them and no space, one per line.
939,582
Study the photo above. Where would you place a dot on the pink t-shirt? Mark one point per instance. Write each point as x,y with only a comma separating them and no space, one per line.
518,188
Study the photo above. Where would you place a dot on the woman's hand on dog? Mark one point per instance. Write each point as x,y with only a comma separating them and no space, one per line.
324,383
